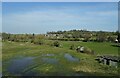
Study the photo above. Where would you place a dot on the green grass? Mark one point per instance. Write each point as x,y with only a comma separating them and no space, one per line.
0,57
98,47
86,66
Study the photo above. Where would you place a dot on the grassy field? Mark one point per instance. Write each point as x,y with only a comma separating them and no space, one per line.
102,48
0,58
99,48
50,60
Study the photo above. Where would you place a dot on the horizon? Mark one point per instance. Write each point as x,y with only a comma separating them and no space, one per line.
62,31
37,17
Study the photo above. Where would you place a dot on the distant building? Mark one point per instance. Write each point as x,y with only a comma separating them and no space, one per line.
54,35
109,60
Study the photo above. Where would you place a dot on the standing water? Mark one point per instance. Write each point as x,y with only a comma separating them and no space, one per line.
71,58
17,66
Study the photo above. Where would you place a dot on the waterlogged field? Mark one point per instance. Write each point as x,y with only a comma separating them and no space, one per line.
26,59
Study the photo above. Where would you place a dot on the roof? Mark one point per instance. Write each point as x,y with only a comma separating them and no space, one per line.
108,57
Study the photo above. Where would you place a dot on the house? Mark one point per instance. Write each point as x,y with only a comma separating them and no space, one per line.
109,60
54,35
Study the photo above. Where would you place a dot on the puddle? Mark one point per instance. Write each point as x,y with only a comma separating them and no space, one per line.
50,60
48,55
17,66
71,58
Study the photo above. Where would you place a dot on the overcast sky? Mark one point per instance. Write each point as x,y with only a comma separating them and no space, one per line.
36,17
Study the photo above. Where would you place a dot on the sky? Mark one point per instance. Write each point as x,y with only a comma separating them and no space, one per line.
42,17
60,0
0,16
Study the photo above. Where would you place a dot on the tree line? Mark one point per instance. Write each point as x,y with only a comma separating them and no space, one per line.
84,35
72,35
38,39
33,38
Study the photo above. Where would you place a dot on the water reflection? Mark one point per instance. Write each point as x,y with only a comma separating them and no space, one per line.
17,66
71,58
48,55
50,60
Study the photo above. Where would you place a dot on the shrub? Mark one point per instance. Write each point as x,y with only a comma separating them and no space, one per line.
76,39
85,50
56,44
88,50
50,43
31,40
38,41
72,47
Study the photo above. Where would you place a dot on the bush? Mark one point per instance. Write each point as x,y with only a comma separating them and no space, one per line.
50,43
31,41
38,41
85,50
88,50
56,44
76,39
72,47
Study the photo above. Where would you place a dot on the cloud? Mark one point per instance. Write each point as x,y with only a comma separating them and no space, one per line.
103,13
